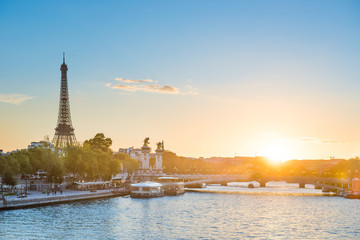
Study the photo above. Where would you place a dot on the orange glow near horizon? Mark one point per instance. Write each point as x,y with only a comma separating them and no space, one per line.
276,152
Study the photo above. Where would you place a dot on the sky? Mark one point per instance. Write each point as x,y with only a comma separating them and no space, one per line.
210,78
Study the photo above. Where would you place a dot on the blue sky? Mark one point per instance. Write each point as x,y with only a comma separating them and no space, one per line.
248,74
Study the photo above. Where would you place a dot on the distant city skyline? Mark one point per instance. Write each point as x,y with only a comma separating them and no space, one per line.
210,78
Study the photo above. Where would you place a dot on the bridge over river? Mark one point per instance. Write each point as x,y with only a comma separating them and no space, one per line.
326,184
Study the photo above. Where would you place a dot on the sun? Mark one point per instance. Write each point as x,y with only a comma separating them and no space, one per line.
276,152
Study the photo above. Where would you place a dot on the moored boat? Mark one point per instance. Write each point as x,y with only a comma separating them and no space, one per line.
352,195
146,189
172,185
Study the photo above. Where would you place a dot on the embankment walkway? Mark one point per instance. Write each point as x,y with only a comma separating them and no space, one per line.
35,199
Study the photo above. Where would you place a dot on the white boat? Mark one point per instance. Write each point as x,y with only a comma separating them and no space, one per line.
172,185
146,189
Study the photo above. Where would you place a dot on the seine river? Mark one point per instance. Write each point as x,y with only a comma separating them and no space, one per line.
281,211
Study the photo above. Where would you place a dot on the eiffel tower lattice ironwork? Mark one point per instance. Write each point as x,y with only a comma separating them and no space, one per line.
64,131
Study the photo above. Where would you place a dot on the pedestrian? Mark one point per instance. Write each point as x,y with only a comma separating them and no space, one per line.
55,192
60,191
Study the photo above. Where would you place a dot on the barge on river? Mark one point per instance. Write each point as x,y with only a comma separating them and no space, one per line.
146,189
172,186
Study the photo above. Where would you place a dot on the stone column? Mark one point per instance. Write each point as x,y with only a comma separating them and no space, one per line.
158,160
145,163
301,185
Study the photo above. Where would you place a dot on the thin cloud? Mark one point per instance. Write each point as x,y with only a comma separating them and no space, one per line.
16,99
190,90
147,85
147,88
316,140
133,81
162,89
126,88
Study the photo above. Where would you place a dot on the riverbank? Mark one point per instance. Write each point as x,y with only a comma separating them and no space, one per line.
35,199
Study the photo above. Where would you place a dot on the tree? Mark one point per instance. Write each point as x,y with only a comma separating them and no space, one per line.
8,179
74,161
129,164
56,173
37,159
90,165
49,159
346,169
99,142
4,168
23,161
9,166
104,160
12,164
92,161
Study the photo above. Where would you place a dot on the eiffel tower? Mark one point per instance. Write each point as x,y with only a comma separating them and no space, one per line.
64,132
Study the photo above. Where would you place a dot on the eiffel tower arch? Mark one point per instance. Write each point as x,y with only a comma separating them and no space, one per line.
64,131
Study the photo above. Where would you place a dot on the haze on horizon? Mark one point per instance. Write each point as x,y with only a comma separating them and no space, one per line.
210,78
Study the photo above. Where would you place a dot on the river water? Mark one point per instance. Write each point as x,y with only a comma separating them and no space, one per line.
280,211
